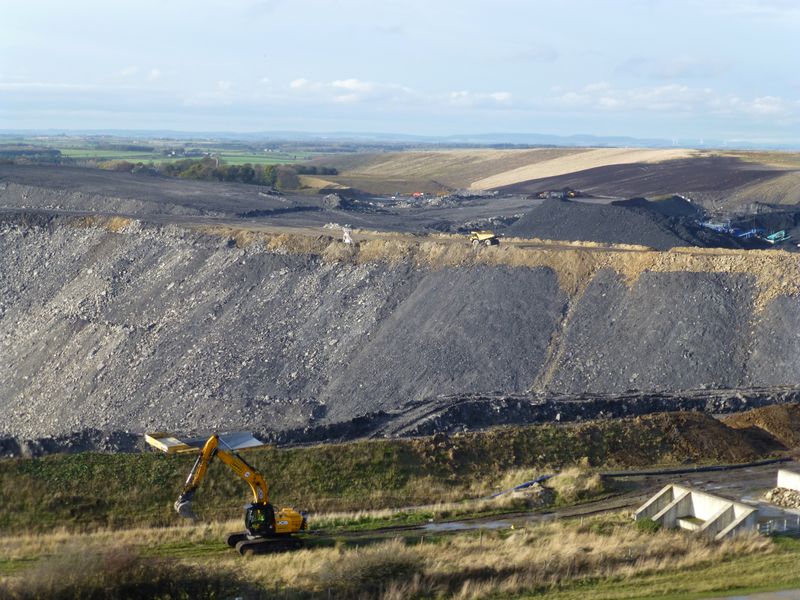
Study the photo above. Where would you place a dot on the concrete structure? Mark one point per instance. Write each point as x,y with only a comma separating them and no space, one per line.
789,480
694,510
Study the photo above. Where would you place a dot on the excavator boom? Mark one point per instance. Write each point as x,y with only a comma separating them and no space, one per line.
211,449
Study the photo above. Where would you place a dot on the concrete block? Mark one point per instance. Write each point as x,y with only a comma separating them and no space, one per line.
789,479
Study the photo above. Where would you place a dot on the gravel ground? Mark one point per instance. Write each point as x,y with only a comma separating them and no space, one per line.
776,343
479,329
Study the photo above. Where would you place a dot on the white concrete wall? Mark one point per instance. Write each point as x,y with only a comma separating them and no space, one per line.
722,517
680,507
656,504
789,479
706,506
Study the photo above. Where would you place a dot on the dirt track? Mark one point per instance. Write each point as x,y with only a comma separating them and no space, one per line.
746,484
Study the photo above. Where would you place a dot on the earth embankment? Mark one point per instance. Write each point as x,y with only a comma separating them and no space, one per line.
115,324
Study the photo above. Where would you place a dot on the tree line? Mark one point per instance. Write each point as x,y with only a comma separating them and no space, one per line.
210,169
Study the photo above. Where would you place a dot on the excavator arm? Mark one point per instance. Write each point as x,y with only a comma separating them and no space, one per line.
211,449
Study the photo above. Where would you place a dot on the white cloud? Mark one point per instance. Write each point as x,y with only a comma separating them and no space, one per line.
128,71
681,66
670,98
154,74
540,53
352,90
478,99
596,87
354,84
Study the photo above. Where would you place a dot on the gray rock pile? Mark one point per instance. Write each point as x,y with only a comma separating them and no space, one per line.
783,497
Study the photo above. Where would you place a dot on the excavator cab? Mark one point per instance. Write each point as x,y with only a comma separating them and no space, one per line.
259,519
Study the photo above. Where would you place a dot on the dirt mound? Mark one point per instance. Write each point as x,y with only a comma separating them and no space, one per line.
662,224
781,423
692,437
574,221
614,342
674,206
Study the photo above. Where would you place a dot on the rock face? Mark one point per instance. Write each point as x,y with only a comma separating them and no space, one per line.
131,327
148,328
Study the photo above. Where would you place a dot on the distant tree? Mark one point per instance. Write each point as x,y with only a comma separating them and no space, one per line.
246,173
286,178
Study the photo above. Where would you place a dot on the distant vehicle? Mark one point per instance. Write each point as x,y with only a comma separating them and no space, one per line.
778,237
483,237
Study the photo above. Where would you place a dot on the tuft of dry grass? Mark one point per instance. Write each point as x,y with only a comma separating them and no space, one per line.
116,571
576,483
117,224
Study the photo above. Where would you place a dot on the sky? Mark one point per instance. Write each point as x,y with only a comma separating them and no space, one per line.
672,69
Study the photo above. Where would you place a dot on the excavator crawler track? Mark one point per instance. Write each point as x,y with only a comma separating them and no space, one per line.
236,537
247,547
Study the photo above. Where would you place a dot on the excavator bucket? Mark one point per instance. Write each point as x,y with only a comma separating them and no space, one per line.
184,509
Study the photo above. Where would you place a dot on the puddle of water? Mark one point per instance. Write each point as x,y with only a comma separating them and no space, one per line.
461,526
782,595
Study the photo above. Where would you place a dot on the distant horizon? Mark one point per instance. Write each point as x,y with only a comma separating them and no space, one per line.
381,137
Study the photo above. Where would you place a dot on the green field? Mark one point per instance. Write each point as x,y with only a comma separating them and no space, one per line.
90,153
228,156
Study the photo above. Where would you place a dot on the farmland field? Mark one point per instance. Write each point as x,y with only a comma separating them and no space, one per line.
232,157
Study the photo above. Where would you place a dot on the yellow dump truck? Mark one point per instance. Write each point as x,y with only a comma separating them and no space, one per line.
483,237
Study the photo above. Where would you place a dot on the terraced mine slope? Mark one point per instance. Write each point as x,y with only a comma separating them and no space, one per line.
121,325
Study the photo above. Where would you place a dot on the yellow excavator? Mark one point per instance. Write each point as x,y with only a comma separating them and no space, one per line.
267,530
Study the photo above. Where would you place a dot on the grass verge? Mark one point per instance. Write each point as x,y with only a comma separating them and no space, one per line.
606,557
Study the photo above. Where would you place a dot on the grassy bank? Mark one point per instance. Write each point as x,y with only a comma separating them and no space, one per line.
91,490
598,558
